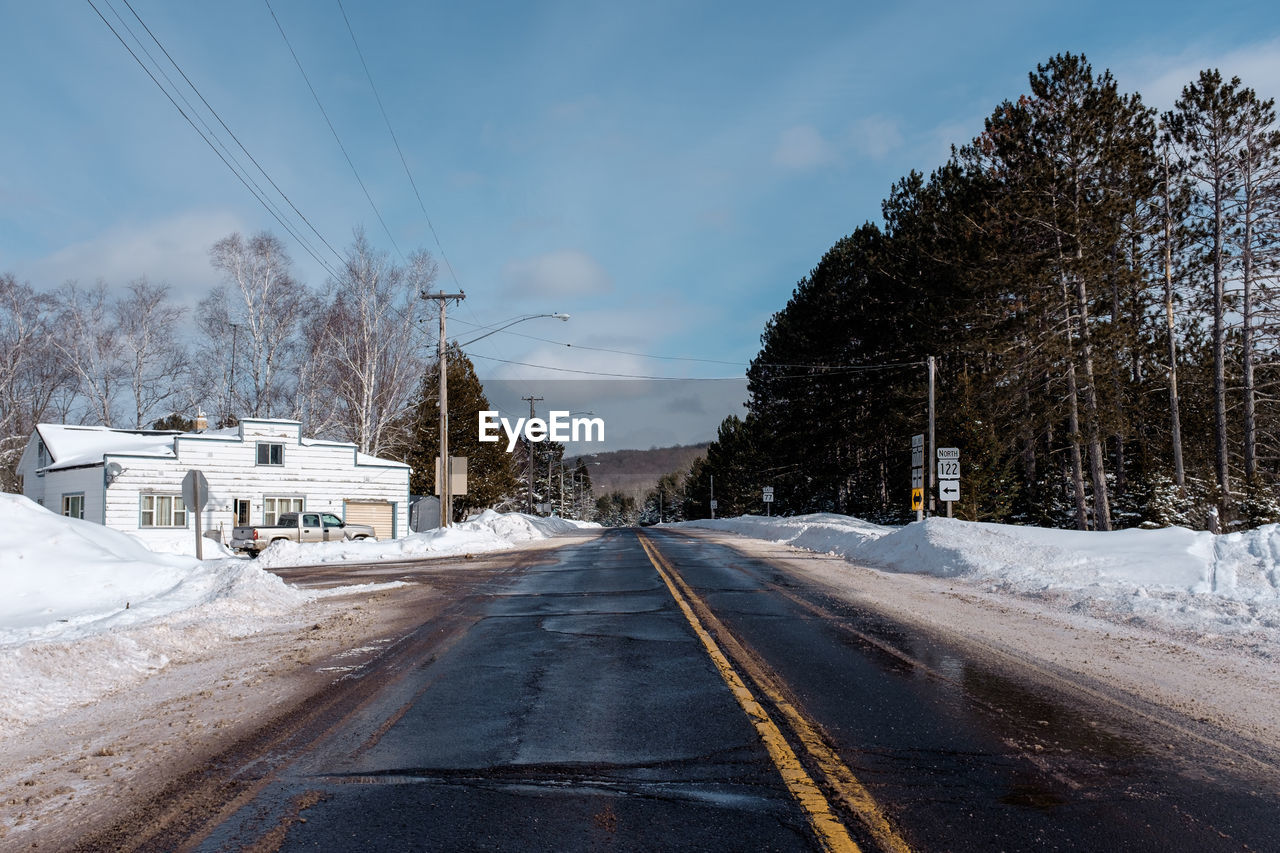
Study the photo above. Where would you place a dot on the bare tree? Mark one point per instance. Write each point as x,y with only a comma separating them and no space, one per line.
31,373
90,349
155,363
258,318
370,347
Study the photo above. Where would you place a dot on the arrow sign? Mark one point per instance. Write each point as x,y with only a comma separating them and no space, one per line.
949,490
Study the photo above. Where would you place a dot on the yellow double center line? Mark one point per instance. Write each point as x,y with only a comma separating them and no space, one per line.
835,774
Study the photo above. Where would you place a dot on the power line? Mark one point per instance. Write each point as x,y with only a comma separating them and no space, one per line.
334,131
828,370
403,161
255,191
229,131
216,115
840,368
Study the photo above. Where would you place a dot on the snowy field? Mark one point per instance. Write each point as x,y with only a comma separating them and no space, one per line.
88,611
1182,582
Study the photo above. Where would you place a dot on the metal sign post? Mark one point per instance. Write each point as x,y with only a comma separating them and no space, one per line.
195,494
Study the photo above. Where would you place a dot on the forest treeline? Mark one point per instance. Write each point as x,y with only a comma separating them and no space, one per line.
1097,283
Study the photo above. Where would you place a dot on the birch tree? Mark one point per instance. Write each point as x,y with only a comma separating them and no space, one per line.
155,364
256,313
370,345
31,372
90,349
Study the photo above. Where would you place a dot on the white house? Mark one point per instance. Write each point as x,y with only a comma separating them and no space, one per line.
131,480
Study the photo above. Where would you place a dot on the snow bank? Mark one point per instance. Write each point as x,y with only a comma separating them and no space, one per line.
489,531
87,610
1170,578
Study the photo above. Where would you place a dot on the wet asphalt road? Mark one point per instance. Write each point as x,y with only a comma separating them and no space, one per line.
579,710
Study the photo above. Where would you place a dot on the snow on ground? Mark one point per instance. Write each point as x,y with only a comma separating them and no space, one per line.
489,531
87,610
1179,581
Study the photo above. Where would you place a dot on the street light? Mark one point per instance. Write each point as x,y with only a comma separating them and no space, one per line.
512,323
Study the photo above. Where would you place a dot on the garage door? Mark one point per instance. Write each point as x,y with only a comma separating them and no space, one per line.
380,515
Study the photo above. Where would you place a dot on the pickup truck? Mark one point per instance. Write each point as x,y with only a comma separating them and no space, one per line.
297,527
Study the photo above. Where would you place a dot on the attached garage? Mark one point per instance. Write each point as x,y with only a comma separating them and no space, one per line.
380,515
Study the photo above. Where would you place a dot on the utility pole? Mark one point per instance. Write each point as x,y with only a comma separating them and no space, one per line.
930,461
713,496
445,469
231,385
529,447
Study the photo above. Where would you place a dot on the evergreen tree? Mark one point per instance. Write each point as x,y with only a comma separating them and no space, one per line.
490,475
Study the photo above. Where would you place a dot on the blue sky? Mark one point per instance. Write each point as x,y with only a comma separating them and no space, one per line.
665,172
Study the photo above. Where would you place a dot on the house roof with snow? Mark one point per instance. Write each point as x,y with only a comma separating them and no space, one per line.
70,446
75,446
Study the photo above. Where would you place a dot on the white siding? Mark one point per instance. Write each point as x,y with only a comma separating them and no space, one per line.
324,474
54,484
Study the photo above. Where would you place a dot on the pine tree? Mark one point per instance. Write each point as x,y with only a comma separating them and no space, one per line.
490,474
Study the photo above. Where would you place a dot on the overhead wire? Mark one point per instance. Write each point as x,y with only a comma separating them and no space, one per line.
334,130
229,131
403,161
828,370
251,186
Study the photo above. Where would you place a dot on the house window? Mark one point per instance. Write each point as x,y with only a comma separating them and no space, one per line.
270,453
242,512
73,505
42,457
272,508
163,511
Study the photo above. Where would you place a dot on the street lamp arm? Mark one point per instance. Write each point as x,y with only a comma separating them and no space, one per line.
512,323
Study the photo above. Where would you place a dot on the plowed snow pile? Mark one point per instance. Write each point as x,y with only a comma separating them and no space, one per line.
489,531
1173,579
86,610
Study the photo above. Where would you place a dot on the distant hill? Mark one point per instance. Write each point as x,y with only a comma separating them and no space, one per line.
634,472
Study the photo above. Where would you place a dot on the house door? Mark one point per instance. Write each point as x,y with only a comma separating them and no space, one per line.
242,512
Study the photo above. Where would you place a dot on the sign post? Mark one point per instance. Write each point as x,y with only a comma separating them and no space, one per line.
949,475
768,500
917,476
195,494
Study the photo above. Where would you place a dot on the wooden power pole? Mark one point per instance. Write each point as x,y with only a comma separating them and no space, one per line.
444,469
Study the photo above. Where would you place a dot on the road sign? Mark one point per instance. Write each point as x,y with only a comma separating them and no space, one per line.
949,490
917,478
195,490
457,476
948,469
715,505
195,494
917,441
917,500
768,494
948,453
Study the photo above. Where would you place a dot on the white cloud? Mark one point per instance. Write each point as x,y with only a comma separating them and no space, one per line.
876,136
1160,79
171,251
803,147
567,272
